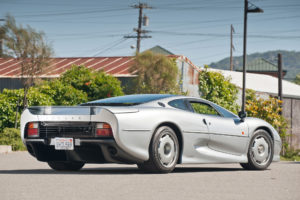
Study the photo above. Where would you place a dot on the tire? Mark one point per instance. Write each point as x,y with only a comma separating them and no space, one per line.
260,151
163,151
66,166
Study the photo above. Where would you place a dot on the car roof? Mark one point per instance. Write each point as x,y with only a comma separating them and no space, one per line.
132,99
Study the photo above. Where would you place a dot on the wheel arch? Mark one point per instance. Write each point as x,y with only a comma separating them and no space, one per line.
178,133
265,129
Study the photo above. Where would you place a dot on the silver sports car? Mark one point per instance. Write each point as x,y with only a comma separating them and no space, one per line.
154,131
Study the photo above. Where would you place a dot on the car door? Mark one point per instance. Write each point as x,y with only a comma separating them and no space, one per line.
194,129
226,134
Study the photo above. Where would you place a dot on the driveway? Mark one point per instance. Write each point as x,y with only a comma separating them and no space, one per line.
22,177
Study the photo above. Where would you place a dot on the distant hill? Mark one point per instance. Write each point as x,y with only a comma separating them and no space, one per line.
291,61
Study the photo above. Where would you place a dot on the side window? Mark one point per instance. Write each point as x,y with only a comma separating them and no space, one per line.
178,103
203,108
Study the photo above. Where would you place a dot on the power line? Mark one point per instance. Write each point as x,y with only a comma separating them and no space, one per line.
71,12
116,43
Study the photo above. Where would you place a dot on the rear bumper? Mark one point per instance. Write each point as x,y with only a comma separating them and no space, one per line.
85,150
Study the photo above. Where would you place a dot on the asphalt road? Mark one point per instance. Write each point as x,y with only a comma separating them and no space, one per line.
22,177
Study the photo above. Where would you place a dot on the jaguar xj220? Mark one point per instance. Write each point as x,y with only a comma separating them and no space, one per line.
154,131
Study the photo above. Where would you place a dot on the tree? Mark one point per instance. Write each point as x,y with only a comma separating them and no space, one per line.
297,79
155,74
214,87
30,48
97,85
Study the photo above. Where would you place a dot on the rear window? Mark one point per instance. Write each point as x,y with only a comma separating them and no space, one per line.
179,103
128,100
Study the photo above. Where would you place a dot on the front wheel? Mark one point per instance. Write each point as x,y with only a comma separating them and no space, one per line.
260,151
163,152
66,166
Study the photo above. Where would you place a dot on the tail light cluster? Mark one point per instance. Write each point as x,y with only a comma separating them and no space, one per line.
33,129
103,129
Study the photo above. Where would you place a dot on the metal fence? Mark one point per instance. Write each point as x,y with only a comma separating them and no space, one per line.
10,83
291,111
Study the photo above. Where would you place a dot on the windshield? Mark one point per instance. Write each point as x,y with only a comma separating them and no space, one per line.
127,100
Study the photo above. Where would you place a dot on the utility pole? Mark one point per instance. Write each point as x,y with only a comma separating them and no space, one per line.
1,39
231,47
280,76
141,21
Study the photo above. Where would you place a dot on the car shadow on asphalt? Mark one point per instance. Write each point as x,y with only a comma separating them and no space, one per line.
117,171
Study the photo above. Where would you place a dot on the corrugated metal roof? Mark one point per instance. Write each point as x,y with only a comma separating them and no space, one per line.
260,65
116,66
262,83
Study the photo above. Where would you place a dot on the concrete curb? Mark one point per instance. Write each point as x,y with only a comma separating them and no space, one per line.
5,149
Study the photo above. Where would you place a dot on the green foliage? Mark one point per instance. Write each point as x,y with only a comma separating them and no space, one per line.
10,99
155,74
297,79
12,136
62,94
214,87
97,85
76,86
268,110
292,154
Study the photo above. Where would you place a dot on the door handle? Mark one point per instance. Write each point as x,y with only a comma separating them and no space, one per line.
205,122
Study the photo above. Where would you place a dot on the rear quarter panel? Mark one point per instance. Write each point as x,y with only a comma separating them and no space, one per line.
136,129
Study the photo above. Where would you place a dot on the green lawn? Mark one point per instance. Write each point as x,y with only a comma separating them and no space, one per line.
294,158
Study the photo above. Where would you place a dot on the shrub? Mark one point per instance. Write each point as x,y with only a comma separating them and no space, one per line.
62,94
268,110
97,85
10,99
12,136
214,87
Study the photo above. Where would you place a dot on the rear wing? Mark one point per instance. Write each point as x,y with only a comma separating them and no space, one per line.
64,110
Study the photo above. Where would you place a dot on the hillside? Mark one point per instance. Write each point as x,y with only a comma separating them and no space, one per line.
291,61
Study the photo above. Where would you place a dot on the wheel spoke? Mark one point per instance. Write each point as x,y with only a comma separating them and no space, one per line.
260,150
166,150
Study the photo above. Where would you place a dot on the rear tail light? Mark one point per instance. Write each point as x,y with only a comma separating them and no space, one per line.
33,129
103,129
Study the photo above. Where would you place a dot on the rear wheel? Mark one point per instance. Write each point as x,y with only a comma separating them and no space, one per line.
163,152
66,166
260,151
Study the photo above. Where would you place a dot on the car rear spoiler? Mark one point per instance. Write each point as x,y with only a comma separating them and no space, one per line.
64,110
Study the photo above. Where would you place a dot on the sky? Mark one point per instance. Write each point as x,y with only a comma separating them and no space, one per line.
197,29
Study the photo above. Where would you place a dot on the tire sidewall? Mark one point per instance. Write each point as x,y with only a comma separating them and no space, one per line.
269,140
154,156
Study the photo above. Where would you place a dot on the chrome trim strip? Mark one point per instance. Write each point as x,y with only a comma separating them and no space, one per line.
143,130
201,132
35,140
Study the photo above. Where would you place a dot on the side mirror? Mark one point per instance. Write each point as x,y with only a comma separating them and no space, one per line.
242,115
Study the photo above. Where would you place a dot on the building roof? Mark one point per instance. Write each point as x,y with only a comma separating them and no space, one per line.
159,50
116,66
262,83
261,65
